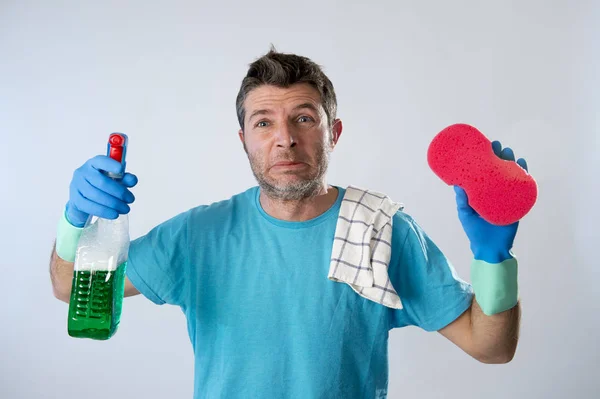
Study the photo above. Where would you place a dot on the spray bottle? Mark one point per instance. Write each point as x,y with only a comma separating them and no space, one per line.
100,263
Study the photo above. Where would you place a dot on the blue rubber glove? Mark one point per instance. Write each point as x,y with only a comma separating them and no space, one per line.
489,243
92,192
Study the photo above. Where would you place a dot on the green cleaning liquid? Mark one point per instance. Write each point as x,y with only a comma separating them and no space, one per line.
96,303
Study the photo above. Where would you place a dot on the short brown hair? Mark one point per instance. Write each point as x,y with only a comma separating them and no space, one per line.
284,70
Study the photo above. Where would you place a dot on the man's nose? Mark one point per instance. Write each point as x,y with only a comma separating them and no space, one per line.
286,136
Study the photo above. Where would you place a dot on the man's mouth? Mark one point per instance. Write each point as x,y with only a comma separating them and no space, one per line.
289,165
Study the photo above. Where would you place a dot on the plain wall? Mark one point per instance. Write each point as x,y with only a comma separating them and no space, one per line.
167,73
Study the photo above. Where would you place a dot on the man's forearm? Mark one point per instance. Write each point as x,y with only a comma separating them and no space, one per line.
61,275
495,337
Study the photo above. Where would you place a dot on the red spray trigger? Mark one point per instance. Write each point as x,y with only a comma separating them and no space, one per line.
117,149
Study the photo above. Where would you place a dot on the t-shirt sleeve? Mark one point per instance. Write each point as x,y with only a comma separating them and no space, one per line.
432,294
158,260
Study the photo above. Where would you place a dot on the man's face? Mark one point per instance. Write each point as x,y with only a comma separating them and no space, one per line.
288,141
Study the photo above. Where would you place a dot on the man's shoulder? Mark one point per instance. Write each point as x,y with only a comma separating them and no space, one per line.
403,220
210,217
224,208
402,225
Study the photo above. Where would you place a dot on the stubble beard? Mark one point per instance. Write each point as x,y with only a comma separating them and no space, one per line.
290,191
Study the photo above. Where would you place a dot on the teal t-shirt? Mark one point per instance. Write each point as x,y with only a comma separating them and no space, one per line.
263,318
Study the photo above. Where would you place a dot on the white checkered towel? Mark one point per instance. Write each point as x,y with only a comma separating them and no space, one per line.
362,245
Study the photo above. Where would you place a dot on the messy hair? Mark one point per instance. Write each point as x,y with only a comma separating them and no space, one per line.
284,70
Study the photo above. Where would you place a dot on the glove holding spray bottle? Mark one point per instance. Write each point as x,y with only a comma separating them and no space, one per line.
96,222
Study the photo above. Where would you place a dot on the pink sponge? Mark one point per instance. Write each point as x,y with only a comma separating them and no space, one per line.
500,191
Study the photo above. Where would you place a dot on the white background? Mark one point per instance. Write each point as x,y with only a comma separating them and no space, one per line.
167,73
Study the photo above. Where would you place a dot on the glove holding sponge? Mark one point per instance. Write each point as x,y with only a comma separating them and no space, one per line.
493,192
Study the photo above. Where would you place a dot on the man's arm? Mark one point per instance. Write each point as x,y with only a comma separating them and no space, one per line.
61,275
490,336
489,339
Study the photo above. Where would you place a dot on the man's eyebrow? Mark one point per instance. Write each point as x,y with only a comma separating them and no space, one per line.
306,105
259,112
310,106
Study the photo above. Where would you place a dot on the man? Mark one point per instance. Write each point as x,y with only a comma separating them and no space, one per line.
250,273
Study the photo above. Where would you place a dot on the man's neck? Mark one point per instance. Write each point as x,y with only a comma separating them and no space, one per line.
299,210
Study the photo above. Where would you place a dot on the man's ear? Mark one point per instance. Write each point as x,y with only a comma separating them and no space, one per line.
336,132
241,135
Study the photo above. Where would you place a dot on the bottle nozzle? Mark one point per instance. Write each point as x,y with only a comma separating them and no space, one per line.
117,149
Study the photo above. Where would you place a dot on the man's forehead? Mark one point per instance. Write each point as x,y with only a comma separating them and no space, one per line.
267,95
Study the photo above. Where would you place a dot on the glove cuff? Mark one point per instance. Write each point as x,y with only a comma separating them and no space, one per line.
495,285
67,237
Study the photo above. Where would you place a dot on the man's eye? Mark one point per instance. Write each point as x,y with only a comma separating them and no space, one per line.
305,119
262,124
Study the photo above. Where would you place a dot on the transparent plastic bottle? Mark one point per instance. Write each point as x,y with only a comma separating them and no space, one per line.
100,264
